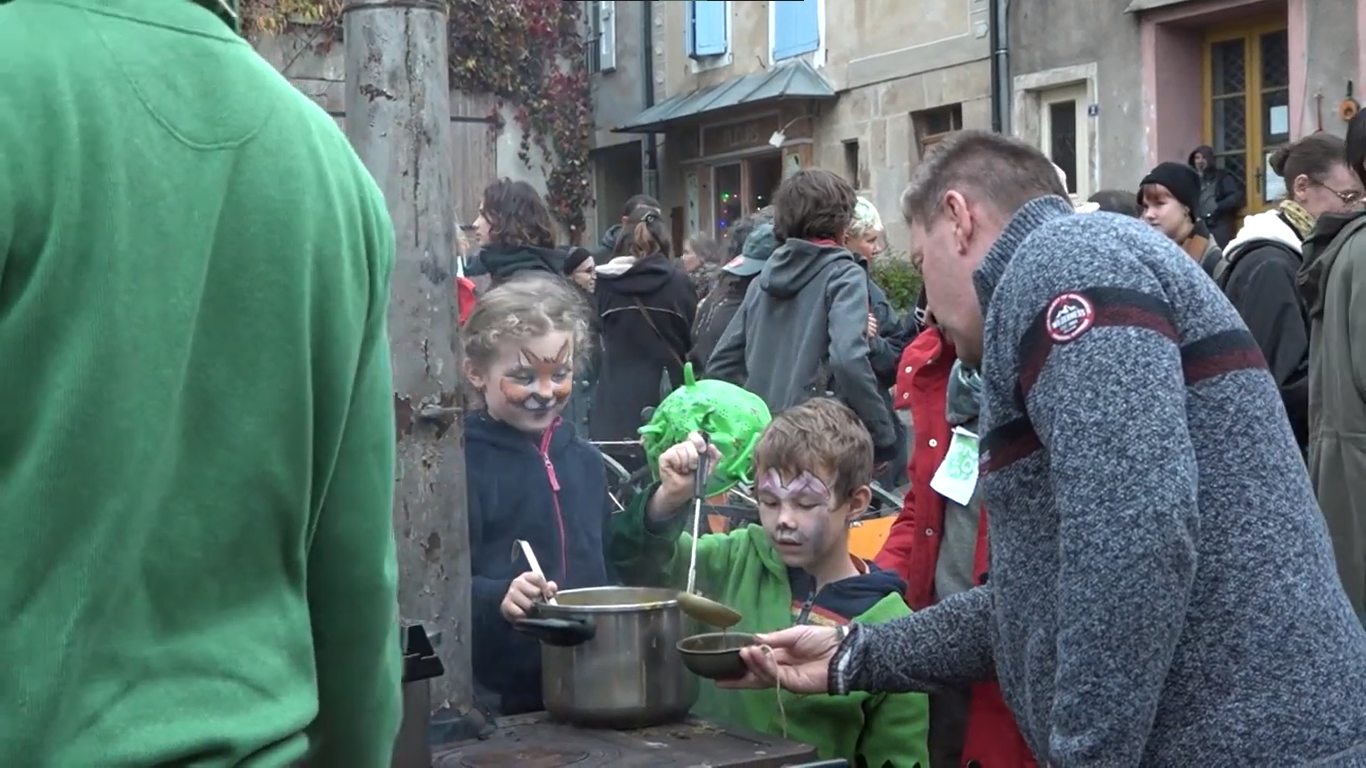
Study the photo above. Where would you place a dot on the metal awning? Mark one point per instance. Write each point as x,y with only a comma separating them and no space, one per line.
793,79
1139,6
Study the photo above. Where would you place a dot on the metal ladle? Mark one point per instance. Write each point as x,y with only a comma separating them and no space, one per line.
533,562
703,609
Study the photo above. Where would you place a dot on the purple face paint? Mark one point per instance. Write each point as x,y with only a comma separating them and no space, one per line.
806,490
797,512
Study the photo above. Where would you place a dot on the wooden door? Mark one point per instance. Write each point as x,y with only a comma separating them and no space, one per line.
474,157
1247,104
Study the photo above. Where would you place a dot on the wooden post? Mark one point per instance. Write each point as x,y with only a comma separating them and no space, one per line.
398,120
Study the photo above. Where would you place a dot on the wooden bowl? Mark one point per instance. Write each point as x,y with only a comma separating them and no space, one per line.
716,655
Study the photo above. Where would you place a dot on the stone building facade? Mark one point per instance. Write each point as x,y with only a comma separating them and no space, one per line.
745,92
1110,94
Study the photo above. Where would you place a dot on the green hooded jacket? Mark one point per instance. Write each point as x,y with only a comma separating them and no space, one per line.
743,570
1333,284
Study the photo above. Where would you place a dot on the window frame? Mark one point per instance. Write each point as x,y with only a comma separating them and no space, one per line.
607,35
690,34
925,139
818,56
1079,93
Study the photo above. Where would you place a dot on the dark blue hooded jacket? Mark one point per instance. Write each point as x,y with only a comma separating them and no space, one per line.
550,492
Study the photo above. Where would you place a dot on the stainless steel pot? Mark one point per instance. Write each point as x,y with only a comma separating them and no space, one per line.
608,658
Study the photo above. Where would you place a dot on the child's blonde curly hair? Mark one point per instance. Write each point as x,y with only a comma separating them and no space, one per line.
526,306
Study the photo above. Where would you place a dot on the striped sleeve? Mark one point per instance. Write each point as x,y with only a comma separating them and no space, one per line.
1103,382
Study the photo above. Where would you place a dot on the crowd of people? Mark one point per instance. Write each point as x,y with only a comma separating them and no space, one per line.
652,313
1133,534
795,280
1161,432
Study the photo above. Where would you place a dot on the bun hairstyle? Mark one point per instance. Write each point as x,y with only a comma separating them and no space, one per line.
1313,156
1356,145
645,234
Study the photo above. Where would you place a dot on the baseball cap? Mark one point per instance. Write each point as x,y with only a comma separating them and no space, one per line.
760,244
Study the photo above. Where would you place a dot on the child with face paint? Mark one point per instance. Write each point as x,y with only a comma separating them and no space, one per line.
530,477
814,464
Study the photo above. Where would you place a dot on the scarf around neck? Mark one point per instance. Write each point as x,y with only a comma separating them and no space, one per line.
1297,217
964,401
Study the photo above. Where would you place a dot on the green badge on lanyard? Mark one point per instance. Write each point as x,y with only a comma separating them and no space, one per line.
956,478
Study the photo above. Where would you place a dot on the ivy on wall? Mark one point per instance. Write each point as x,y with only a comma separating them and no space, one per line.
530,53
319,19
527,53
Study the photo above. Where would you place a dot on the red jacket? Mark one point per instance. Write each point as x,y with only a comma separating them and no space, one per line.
464,296
912,548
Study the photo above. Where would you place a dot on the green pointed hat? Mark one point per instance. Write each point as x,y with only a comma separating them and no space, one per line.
732,418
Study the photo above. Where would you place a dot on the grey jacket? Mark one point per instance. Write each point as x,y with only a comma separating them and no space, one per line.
801,333
1333,284
1162,589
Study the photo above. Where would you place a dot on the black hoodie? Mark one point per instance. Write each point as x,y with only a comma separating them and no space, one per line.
647,308
607,244
1221,196
503,261
713,316
550,492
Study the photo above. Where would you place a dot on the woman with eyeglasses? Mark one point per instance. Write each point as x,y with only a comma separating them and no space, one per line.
1260,265
1333,283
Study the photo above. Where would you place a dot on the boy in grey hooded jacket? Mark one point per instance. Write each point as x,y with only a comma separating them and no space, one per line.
802,330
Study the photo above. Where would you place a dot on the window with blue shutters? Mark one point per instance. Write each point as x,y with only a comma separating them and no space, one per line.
708,28
796,27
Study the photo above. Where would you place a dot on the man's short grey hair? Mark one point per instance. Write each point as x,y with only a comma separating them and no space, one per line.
984,167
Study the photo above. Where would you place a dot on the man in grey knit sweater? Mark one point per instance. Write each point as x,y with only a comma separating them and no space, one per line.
1162,589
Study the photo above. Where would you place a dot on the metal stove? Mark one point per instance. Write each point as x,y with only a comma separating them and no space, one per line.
534,741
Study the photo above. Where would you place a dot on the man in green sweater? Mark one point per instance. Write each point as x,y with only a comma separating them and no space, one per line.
196,424
814,464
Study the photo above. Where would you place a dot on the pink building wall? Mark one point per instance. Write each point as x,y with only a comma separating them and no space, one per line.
1172,43
1361,43
1173,115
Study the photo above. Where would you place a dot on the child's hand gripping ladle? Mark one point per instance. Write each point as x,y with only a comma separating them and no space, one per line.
534,563
693,604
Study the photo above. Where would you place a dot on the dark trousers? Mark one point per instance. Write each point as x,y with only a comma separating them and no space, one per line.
948,727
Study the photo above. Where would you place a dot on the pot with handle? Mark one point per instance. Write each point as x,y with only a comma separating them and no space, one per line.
608,657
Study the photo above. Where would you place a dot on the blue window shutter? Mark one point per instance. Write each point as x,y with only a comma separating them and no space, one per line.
796,27
707,27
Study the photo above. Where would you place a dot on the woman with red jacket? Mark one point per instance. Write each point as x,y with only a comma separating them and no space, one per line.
939,547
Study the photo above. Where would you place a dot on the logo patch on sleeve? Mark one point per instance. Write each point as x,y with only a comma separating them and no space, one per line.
1069,316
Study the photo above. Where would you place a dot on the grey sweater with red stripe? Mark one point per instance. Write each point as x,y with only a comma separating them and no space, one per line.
1162,589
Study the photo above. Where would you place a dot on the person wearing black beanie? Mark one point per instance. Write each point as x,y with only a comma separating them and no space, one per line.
1168,198
578,267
